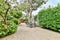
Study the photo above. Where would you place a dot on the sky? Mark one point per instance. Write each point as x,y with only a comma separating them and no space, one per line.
52,3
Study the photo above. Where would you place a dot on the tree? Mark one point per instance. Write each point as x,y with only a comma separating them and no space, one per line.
5,8
6,26
29,5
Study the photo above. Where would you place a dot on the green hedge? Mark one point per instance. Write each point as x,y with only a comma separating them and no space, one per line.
7,29
50,18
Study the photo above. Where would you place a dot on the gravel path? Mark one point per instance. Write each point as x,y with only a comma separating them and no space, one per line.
26,33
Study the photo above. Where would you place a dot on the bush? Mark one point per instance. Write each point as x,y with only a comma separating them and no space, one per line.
14,17
10,17
15,20
6,29
50,18
17,14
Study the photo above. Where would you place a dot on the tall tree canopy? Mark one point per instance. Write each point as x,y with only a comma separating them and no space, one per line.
29,5
6,6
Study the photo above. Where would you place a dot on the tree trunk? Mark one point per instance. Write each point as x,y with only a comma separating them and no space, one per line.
5,19
29,16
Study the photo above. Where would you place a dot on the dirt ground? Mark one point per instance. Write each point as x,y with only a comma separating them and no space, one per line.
26,33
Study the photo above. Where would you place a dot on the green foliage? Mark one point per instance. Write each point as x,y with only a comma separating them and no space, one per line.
35,4
11,28
11,18
35,17
16,14
15,20
50,18
3,8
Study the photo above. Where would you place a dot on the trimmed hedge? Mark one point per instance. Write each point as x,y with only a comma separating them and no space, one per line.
6,29
50,18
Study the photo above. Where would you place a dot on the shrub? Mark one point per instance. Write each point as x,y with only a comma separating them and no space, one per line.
12,27
15,20
14,17
16,14
50,18
10,17
8,28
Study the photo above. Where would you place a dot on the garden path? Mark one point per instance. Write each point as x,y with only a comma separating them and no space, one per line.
36,33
